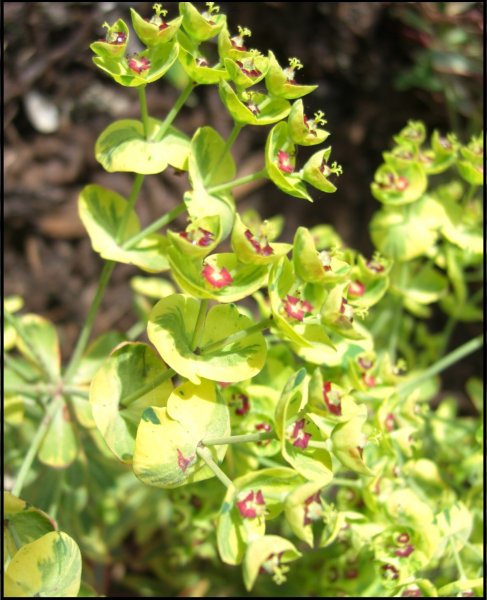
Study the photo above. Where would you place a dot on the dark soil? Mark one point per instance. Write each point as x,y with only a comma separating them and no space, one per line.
354,51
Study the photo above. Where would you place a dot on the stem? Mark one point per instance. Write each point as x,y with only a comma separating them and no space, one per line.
148,387
39,389
448,360
136,329
18,368
397,314
319,445
470,194
35,444
19,328
237,439
237,127
143,110
138,181
458,560
205,455
222,187
162,222
237,337
198,330
342,481
172,114
90,319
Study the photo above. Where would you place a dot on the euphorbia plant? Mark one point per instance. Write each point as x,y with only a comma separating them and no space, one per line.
307,403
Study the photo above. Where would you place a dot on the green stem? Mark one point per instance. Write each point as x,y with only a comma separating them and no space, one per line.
148,387
237,127
235,182
90,320
143,110
457,559
238,439
448,360
237,337
200,322
36,443
319,445
470,194
346,482
136,330
19,368
162,222
205,455
397,313
138,181
172,114
39,389
39,358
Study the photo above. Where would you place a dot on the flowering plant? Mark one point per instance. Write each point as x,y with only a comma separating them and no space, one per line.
308,402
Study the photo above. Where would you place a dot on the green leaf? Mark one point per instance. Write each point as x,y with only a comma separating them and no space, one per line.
279,84
306,333
426,286
209,163
347,443
23,524
310,265
200,204
150,34
278,141
50,567
95,354
112,50
317,172
234,531
116,411
196,65
298,511
167,438
101,211
400,185
190,276
254,248
304,131
201,27
455,524
152,287
260,554
60,446
43,338
253,108
122,146
171,327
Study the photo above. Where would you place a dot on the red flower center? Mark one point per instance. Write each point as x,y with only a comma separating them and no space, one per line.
332,399
262,247
218,278
251,505
139,64
296,308
284,162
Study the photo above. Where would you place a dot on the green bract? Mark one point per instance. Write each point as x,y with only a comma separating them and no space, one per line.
203,26
122,146
280,82
253,108
140,69
101,211
171,327
115,402
156,31
168,438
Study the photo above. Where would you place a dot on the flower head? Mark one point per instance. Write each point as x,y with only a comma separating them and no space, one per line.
296,433
284,162
296,308
237,41
198,237
245,405
263,427
313,124
273,566
325,259
157,19
312,509
332,399
247,66
294,65
114,37
139,64
218,278
356,289
260,245
251,505
208,14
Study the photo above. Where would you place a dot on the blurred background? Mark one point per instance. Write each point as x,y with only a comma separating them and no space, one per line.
377,65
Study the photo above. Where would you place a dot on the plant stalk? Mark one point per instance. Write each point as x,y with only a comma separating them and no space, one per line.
205,455
172,114
237,337
238,439
36,443
223,187
237,127
158,224
448,360
143,109
138,181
